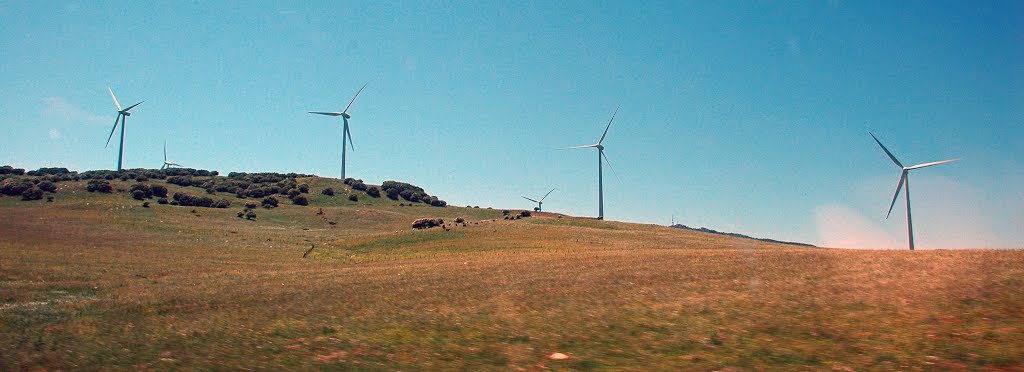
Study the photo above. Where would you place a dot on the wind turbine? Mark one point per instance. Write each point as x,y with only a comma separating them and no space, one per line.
600,154
344,130
905,179
541,201
122,115
168,164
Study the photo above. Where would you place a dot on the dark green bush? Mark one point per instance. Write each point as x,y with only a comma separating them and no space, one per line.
222,203
162,201
99,186
300,200
328,191
373,191
16,188
159,191
143,189
303,188
293,193
180,180
32,194
138,195
270,202
47,186
353,197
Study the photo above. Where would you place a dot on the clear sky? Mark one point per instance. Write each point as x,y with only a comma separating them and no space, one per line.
743,116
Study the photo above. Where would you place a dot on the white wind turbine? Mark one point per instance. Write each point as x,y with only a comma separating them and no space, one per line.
600,154
168,164
905,179
344,129
122,115
540,202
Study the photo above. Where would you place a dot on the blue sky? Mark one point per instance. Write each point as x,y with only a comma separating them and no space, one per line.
749,117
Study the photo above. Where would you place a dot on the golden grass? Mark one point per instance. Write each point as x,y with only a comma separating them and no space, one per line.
113,285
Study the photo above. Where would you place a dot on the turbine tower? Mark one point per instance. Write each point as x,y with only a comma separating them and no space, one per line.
122,115
905,179
168,164
540,202
344,129
600,176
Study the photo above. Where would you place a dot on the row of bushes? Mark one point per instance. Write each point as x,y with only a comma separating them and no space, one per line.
7,169
415,194
190,200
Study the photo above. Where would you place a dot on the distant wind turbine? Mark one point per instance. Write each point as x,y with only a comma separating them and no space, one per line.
122,115
540,202
600,154
905,179
168,164
344,129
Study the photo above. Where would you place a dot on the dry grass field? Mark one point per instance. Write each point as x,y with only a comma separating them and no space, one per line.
95,281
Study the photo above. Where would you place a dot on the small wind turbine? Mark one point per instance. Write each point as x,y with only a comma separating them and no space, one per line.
600,154
168,164
344,129
122,115
540,202
905,179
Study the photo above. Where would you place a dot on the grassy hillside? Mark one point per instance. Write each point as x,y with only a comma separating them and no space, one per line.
95,280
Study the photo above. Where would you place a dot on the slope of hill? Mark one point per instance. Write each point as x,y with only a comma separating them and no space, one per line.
96,280
735,235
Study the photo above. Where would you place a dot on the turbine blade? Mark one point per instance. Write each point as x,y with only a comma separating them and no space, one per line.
132,106
610,166
531,200
112,130
354,97
165,151
115,99
932,163
897,162
326,113
608,127
578,147
546,195
899,187
349,134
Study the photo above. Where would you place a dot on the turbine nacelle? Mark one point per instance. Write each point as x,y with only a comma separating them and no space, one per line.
346,115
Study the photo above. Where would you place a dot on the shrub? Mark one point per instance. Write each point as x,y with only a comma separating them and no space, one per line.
250,205
222,203
505,212
240,214
32,194
189,200
426,223
348,181
180,180
159,191
392,193
293,193
328,191
270,202
145,204
99,186
300,200
138,195
146,191
162,200
303,188
434,201
353,197
47,186
250,215
16,188
373,191
525,213
49,199
7,169
359,185
18,171
460,220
